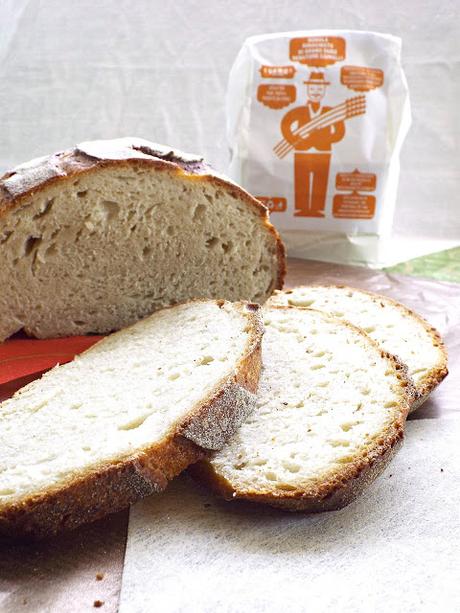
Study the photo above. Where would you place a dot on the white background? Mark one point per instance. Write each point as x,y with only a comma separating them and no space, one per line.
77,70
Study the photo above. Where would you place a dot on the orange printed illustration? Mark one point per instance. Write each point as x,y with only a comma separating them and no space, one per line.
310,131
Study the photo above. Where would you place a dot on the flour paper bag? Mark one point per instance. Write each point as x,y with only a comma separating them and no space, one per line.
316,120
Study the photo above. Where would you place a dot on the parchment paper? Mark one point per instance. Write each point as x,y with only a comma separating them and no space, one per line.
395,549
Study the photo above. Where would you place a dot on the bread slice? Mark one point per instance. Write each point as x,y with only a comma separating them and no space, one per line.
397,329
94,238
95,435
330,414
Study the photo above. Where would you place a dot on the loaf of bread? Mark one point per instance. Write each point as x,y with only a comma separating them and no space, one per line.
330,414
397,329
95,435
94,238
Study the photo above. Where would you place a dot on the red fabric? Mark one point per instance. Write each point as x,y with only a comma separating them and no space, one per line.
20,357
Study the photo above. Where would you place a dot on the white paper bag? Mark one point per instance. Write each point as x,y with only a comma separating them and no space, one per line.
316,121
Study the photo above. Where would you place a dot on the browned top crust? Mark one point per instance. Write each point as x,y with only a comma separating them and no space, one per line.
29,178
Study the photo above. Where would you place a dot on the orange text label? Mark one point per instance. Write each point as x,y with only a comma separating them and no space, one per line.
360,78
277,72
353,206
276,96
274,205
359,181
317,50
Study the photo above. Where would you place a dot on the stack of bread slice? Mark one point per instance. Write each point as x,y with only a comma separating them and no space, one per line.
97,237
337,385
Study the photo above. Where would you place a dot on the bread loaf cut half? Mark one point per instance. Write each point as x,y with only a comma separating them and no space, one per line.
94,238
95,435
397,329
330,414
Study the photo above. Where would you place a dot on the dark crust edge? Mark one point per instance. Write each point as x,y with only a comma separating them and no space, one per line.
435,375
75,163
113,486
340,486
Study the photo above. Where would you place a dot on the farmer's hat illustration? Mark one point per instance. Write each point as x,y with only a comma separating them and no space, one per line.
316,78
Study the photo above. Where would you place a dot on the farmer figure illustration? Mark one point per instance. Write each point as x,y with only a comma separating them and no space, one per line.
312,147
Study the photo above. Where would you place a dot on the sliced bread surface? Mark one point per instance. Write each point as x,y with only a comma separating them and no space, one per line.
397,329
94,238
92,436
330,414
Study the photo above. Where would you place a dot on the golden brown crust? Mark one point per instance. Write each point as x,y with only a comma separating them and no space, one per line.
115,485
433,377
72,163
332,495
339,487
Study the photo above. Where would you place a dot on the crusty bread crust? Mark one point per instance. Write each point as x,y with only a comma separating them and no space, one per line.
434,376
339,487
18,185
113,486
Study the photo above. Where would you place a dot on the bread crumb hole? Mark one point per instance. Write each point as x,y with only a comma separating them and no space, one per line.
300,302
46,209
199,212
211,242
270,476
82,194
390,404
259,462
206,359
109,210
347,426
286,486
134,423
291,467
317,366
31,243
173,376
